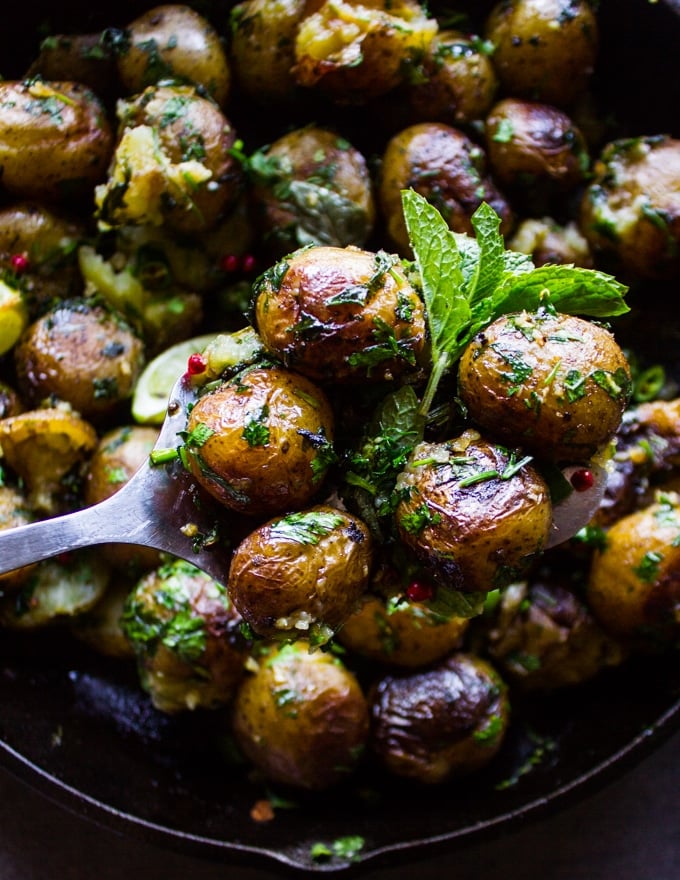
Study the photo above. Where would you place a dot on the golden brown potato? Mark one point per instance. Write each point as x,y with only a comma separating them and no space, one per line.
172,163
556,385
55,140
42,446
312,187
535,152
38,246
630,212
173,41
301,575
634,584
447,168
354,52
301,717
543,637
262,49
341,315
548,242
456,82
80,353
186,636
545,50
442,723
83,58
261,443
119,455
475,514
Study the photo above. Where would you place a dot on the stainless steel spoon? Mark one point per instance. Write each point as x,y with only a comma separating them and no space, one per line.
160,507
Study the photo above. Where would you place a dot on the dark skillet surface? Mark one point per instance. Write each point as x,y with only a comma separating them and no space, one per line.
78,728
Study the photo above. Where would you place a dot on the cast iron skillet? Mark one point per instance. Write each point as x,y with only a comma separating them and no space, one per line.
77,726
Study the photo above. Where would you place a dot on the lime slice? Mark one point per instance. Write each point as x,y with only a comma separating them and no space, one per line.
150,397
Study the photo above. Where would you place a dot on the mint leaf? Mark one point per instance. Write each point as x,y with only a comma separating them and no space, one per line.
569,289
439,263
490,266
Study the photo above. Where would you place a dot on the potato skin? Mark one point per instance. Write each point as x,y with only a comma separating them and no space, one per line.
301,717
535,151
269,427
547,241
633,587
301,575
472,529
316,190
81,353
173,41
55,140
544,49
441,723
630,211
447,168
324,311
557,385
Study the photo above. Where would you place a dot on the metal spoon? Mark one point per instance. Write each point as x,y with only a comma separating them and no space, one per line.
160,507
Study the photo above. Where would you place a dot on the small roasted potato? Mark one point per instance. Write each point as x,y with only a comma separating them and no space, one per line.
542,636
544,50
55,140
38,246
14,511
401,632
455,82
14,315
341,315
474,513
262,48
633,587
630,211
262,442
536,153
83,58
301,575
447,168
548,242
301,717
172,163
100,626
173,42
556,385
57,591
81,353
312,187
186,637
118,456
44,446
354,52
441,723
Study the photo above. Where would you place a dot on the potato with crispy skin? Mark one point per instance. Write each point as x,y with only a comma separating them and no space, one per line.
474,513
341,315
262,442
440,723
301,717
557,385
544,49
55,140
447,168
173,42
302,574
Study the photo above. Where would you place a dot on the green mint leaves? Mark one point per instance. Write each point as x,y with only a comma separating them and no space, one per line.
469,282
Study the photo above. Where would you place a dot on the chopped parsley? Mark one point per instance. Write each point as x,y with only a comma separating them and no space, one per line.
306,527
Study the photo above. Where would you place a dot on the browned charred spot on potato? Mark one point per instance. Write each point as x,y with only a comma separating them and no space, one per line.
555,384
301,717
441,723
